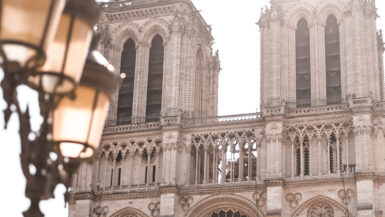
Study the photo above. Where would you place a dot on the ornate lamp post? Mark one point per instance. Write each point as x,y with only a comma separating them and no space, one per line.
44,44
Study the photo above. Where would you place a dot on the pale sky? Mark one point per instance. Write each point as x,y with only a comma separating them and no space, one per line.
237,38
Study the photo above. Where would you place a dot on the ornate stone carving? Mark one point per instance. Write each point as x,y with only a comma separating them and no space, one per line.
293,199
154,209
346,195
320,209
185,202
259,198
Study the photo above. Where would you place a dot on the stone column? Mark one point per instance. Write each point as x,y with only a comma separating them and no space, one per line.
113,55
240,161
362,125
274,131
171,132
171,92
140,83
223,171
365,195
274,198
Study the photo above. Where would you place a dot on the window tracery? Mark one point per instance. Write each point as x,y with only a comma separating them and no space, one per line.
320,210
116,160
155,80
333,66
303,87
228,213
329,139
224,157
126,91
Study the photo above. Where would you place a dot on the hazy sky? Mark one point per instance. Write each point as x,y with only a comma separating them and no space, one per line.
236,36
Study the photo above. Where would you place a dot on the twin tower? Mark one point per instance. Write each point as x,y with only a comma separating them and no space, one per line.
316,148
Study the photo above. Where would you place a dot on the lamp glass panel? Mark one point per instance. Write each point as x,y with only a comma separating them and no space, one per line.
25,21
76,122
98,119
73,62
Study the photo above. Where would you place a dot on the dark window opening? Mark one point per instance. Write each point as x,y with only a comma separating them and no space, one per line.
126,91
119,175
112,176
333,66
298,161
153,173
303,87
155,80
145,175
306,156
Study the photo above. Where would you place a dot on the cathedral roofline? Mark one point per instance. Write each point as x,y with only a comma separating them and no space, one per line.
119,7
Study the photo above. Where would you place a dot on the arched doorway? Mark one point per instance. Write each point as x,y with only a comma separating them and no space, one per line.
129,212
320,206
227,205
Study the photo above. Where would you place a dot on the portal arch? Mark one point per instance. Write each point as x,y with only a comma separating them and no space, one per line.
129,212
327,206
217,203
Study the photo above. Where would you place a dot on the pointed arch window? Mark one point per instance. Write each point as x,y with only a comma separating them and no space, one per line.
333,66
126,91
333,158
306,156
303,87
155,80
297,157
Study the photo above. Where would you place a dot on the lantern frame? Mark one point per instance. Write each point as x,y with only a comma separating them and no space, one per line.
98,75
85,11
38,150
39,56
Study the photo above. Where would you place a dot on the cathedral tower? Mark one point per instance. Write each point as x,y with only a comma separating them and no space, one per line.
163,48
316,148
317,53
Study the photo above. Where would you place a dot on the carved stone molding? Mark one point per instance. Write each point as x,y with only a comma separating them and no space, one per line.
320,209
154,209
293,199
346,195
185,202
259,198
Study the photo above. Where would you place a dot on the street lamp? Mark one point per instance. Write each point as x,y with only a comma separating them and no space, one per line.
49,50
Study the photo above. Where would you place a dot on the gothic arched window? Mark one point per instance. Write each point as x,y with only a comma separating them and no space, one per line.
306,155
333,66
297,157
126,91
320,209
333,154
303,87
155,80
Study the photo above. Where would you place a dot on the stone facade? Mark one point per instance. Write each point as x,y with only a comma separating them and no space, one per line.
288,160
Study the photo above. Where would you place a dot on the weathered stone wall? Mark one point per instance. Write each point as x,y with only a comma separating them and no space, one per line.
285,161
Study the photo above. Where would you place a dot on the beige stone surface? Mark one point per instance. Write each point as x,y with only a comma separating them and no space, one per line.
322,160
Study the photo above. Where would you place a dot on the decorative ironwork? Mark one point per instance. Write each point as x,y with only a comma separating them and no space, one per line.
43,161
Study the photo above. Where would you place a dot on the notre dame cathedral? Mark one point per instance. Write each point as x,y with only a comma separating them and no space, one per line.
316,148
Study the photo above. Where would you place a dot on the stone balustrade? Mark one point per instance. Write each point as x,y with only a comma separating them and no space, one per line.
131,128
317,110
223,119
